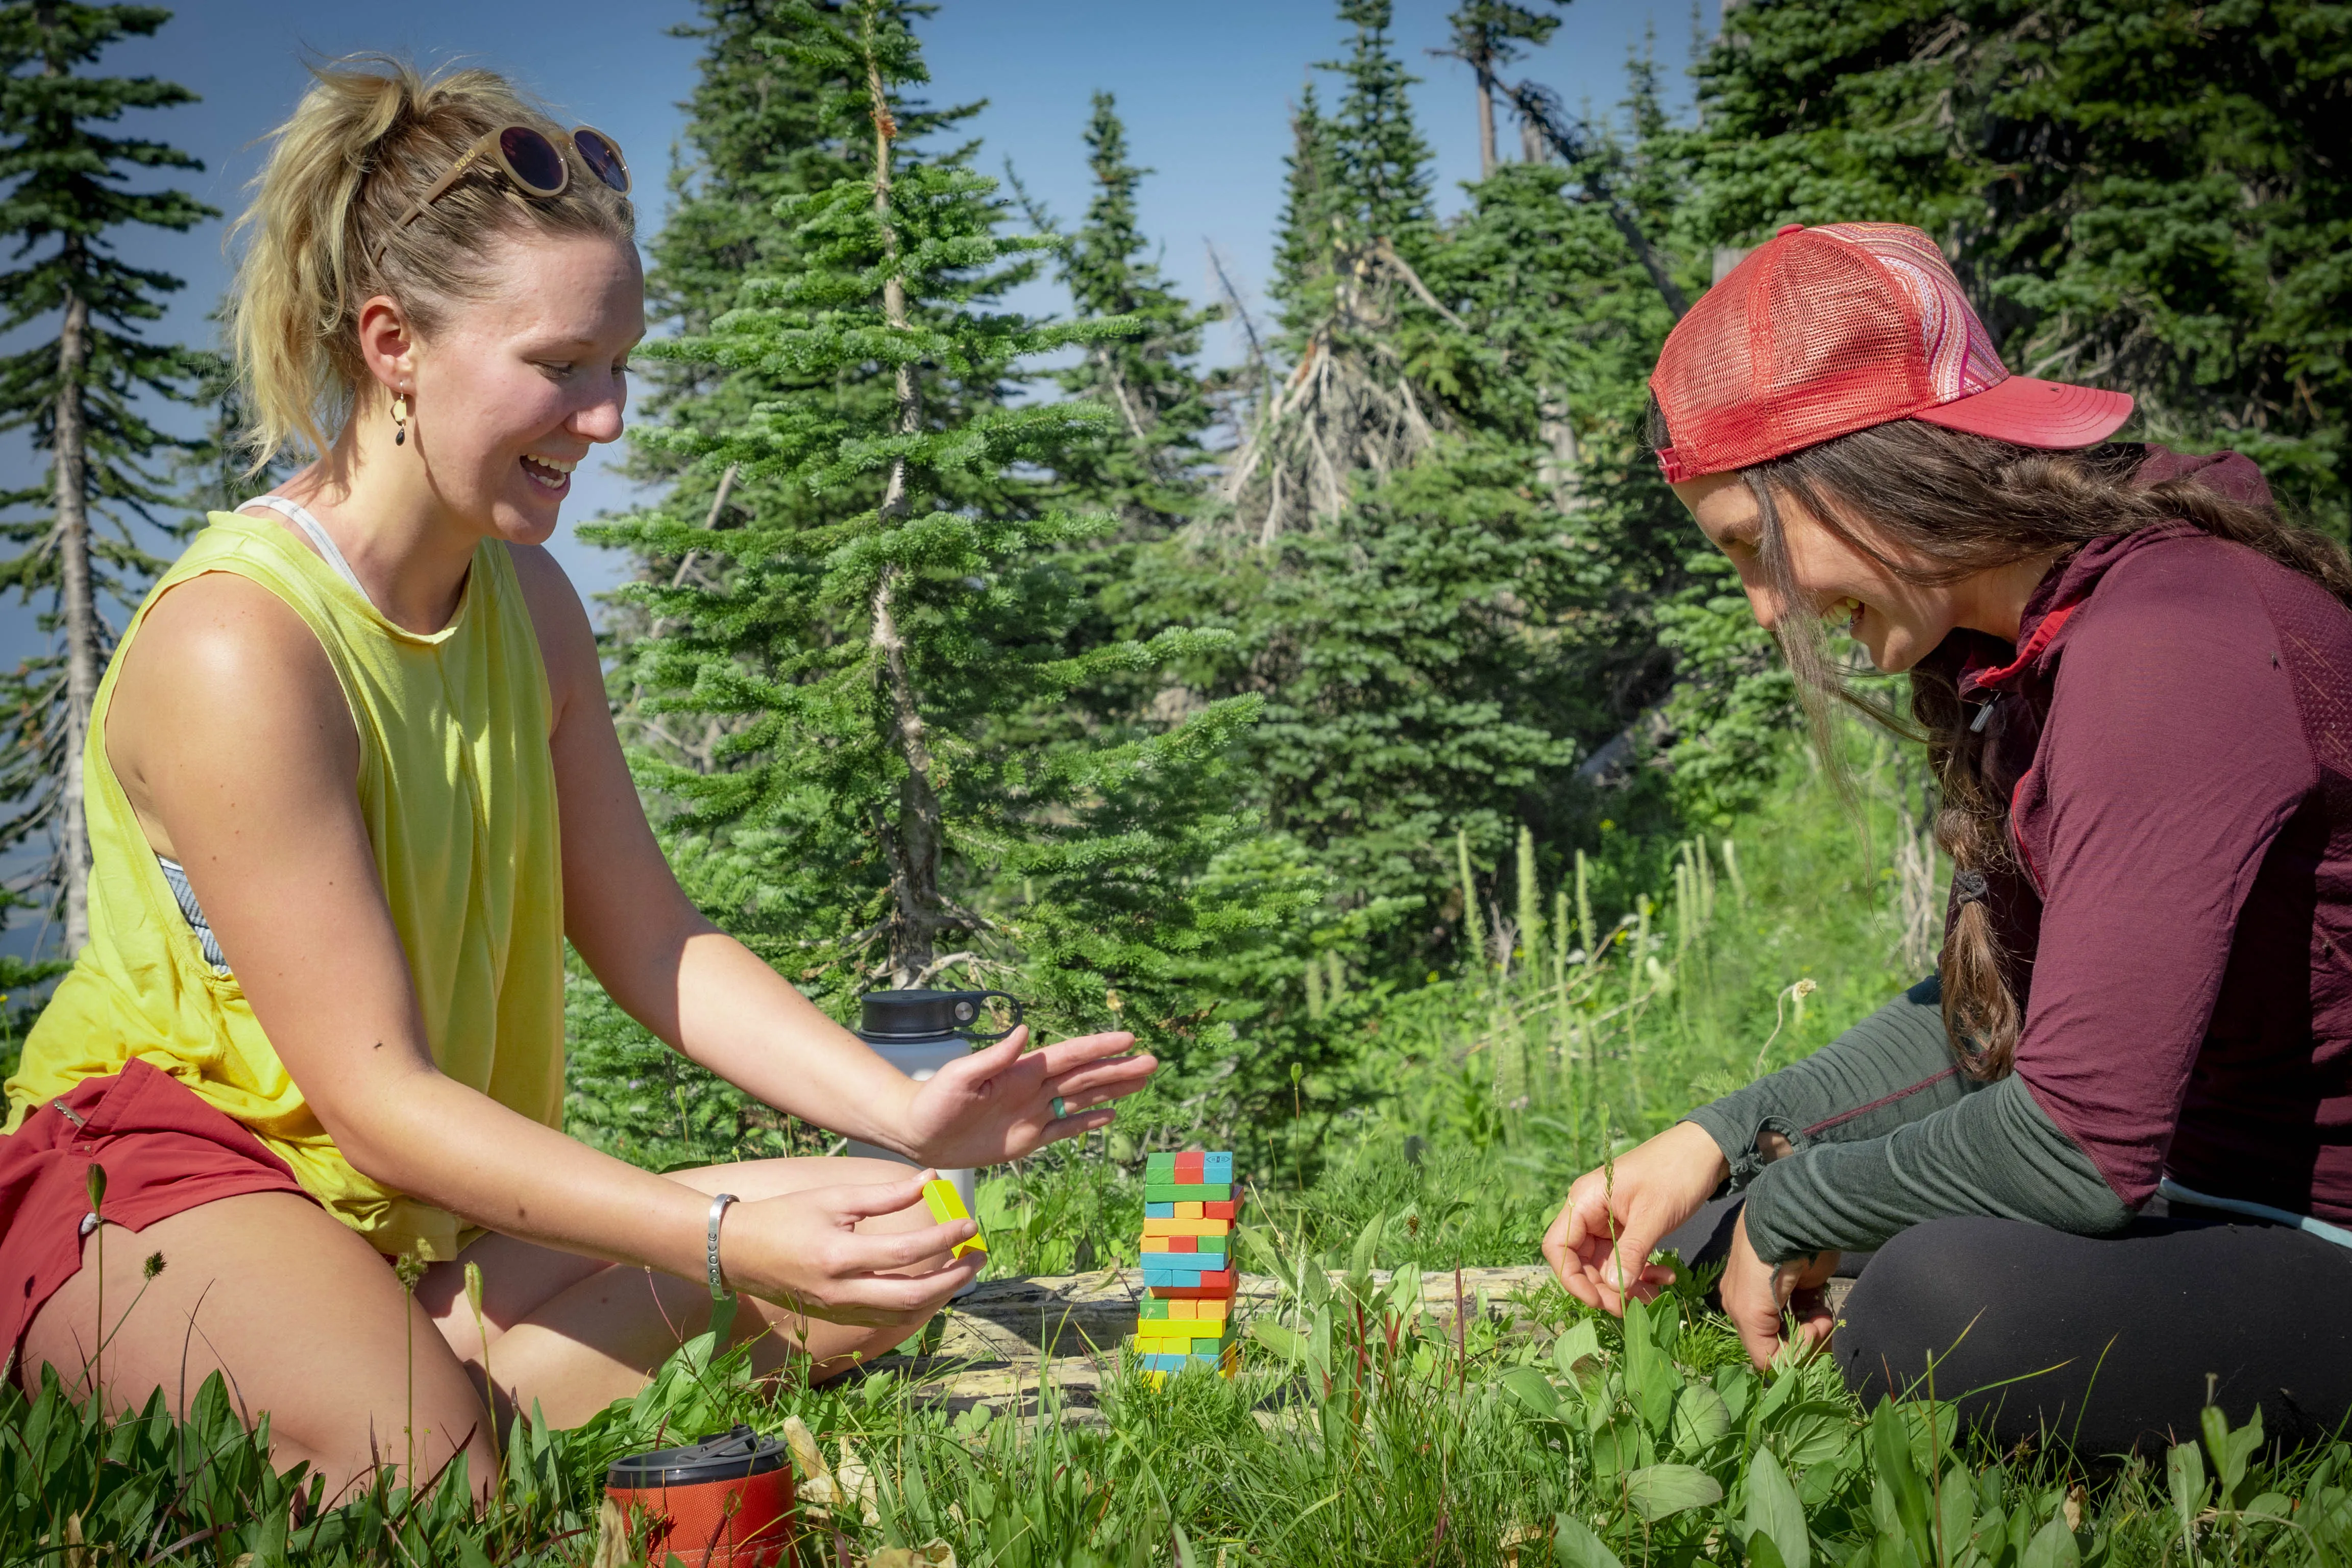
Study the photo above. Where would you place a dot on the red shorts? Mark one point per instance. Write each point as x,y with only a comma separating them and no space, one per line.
164,1151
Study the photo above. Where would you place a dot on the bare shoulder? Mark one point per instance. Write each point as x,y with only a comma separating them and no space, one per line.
567,642
223,679
221,633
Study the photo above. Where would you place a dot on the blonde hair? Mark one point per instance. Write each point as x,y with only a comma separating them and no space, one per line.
371,136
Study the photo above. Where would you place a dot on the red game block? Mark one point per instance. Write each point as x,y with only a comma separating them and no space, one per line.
1229,1209
1191,1169
1183,1244
1217,1286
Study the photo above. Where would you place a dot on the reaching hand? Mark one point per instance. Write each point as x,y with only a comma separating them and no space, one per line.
1755,1293
998,1104
1600,1245
801,1251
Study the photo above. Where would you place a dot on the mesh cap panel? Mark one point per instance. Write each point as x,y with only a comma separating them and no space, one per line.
1820,331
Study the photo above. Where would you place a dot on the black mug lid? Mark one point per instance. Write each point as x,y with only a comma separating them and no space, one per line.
899,1017
731,1456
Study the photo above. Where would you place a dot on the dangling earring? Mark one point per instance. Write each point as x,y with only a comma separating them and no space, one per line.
400,420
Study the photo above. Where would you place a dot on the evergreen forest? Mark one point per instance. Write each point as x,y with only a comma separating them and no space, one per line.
1355,716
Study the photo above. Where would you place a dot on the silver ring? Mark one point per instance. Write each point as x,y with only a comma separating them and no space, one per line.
718,1291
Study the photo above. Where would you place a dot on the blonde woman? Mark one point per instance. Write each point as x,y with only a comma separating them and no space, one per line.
351,783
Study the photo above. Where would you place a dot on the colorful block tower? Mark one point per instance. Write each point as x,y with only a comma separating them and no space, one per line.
1190,1216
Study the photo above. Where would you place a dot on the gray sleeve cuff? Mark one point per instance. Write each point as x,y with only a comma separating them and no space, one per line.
1893,1067
1994,1154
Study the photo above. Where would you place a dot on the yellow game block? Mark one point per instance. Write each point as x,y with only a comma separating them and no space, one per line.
1155,1244
1187,1228
1206,1311
1203,1334
1189,1210
947,1205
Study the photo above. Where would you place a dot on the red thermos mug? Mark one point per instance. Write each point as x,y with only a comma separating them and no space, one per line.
726,1502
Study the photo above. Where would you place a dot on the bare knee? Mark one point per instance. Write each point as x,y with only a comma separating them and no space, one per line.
298,1317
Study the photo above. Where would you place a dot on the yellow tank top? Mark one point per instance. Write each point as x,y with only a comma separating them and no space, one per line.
457,790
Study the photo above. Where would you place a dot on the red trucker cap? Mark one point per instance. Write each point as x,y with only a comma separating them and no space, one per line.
1824,331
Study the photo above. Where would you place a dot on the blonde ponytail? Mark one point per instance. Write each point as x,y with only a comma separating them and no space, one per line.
369,138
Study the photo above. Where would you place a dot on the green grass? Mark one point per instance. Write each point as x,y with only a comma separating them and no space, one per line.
1363,1429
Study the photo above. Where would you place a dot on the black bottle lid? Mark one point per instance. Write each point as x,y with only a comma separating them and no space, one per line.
731,1456
900,1017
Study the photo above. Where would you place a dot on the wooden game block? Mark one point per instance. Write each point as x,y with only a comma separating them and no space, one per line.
1150,1311
1189,1167
1186,1211
1159,1243
1196,1285
1217,1166
1187,1227
1204,1312
1229,1209
1159,1167
947,1205
1187,1192
1159,1210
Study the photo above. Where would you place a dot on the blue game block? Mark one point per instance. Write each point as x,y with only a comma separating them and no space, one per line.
1162,1363
1159,1211
1217,1167
1161,1274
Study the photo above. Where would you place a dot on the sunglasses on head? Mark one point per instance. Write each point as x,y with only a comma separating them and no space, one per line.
535,164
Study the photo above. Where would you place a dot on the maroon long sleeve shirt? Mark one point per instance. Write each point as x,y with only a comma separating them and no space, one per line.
2174,727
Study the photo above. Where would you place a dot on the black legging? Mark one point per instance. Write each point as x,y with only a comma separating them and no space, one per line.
2101,1345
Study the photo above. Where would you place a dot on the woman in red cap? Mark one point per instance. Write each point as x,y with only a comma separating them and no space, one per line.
2106,1151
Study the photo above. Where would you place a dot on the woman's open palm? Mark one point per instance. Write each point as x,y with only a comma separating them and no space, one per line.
997,1104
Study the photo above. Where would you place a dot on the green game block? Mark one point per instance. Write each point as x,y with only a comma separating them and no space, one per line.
1153,1307
1159,1167
1159,1190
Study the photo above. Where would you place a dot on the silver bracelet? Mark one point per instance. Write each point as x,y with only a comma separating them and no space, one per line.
718,1291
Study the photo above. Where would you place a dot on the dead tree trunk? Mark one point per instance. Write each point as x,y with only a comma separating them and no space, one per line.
913,842
1482,72
70,458
1557,470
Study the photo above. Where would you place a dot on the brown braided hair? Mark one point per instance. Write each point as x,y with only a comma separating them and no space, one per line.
1933,506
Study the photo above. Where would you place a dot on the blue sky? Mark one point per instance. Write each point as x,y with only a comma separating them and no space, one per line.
1206,87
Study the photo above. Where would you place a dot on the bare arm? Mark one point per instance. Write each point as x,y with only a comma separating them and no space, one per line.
711,998
257,800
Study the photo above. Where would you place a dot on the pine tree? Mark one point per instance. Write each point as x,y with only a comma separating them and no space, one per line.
1147,470
1357,221
874,812
78,393
1401,629
1487,34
